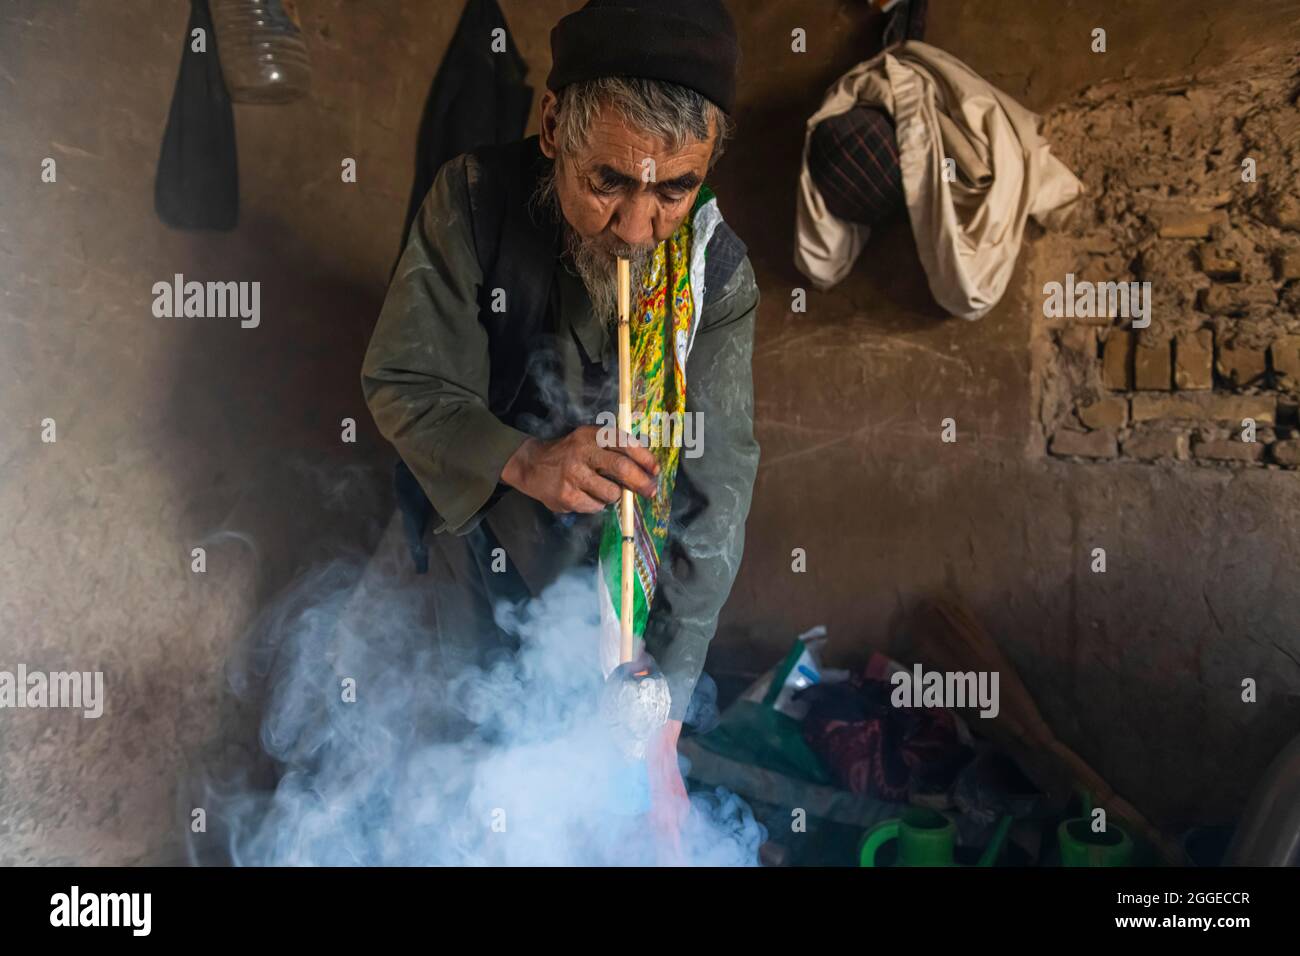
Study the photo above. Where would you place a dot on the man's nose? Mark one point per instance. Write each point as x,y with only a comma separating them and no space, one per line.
634,222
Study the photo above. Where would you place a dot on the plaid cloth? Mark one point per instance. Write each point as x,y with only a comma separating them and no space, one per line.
853,160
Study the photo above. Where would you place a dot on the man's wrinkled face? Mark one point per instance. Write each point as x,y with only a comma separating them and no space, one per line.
621,195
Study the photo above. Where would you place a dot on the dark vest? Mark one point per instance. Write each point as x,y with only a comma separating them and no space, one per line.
518,249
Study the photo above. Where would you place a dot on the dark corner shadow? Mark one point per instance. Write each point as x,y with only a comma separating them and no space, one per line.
1175,794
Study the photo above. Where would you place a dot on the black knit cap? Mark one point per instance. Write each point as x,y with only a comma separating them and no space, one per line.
688,42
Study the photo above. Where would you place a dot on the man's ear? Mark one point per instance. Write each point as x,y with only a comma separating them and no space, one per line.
546,134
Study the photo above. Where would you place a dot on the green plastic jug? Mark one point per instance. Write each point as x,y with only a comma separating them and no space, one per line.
926,838
1080,846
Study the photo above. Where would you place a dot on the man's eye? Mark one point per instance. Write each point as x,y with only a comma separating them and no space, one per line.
604,189
673,194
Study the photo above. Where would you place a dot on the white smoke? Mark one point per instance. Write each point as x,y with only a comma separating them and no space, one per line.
437,761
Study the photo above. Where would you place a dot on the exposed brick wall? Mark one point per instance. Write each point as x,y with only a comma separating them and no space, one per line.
1214,378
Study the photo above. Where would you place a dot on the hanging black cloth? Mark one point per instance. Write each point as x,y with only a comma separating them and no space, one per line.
197,186
478,98
906,22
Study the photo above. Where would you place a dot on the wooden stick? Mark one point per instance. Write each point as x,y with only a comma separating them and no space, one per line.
625,428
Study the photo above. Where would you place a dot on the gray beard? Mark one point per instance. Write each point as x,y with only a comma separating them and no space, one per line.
597,267
595,261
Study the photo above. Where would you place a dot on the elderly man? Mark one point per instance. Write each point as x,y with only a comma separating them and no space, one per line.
495,353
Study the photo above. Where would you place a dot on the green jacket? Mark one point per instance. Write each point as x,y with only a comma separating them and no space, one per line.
426,380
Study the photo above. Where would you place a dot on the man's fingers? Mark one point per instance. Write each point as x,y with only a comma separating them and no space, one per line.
626,472
600,488
581,504
627,445
642,456
578,501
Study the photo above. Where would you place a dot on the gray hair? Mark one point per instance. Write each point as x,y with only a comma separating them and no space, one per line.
664,110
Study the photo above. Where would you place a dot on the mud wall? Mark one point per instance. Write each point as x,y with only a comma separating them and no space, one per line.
170,431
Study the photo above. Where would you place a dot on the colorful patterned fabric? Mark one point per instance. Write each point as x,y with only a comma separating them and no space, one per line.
664,315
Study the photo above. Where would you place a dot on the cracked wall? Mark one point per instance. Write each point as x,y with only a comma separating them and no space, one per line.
1193,206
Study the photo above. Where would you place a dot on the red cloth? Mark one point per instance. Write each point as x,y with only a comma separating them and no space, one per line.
871,747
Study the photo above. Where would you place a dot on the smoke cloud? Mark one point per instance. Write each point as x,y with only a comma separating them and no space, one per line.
394,746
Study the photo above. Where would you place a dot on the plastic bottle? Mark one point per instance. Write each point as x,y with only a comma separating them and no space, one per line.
263,56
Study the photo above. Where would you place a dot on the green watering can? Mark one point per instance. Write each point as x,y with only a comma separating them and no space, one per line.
926,838
1080,846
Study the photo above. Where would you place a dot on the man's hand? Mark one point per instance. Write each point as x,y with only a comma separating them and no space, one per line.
575,474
